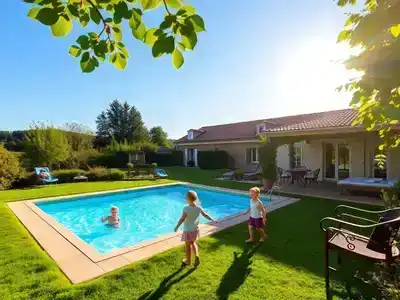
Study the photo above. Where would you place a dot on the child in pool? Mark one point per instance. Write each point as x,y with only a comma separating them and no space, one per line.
190,219
258,217
113,219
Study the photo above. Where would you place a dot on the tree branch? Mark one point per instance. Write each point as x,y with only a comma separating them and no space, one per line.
166,7
101,17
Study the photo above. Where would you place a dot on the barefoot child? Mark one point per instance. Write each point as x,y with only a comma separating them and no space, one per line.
113,219
258,217
190,219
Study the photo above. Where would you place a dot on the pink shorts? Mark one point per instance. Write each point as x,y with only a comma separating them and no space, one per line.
256,222
190,236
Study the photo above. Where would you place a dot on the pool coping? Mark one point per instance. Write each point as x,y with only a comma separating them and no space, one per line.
81,262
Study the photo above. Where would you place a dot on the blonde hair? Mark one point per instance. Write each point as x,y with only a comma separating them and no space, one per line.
255,190
192,196
114,208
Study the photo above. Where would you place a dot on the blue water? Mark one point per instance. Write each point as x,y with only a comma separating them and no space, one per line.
145,214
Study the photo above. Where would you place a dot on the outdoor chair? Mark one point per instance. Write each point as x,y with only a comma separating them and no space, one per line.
253,175
160,173
311,177
284,176
50,179
379,246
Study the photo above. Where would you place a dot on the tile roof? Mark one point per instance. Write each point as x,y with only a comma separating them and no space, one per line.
247,130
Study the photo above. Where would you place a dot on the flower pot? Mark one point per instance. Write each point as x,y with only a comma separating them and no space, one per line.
268,184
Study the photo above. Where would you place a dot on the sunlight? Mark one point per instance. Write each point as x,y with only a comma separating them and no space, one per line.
312,74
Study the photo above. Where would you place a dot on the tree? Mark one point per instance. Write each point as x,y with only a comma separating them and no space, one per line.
375,29
46,145
80,137
10,168
158,136
175,34
121,122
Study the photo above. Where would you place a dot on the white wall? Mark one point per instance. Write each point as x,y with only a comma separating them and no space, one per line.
282,157
312,156
357,158
394,164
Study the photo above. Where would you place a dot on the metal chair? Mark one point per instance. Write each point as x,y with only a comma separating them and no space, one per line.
284,176
312,177
378,247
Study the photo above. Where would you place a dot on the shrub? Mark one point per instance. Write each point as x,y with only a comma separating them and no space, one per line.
154,165
238,174
268,160
175,158
116,174
65,176
109,160
215,159
190,163
10,168
102,174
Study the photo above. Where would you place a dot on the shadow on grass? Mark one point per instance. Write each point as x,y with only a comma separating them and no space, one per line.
237,273
166,284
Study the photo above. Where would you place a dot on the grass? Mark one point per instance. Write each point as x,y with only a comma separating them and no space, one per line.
289,265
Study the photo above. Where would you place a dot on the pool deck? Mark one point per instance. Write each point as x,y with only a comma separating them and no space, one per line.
81,262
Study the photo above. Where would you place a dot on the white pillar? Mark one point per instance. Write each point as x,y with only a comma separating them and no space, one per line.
195,157
185,158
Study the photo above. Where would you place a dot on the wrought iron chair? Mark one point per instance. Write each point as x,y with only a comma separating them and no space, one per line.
284,176
378,247
312,177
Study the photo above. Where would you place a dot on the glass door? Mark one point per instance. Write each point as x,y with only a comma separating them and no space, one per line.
343,161
330,161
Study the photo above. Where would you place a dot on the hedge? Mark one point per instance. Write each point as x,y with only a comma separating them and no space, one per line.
215,159
109,160
175,158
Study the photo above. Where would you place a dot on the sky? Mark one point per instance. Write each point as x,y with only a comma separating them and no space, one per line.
257,59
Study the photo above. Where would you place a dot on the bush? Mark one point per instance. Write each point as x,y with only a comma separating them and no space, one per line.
109,160
268,160
215,159
102,174
154,165
238,174
65,176
190,163
10,168
175,158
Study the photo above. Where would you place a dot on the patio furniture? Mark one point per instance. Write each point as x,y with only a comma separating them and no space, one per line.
378,247
160,173
312,177
80,178
298,174
284,176
362,184
253,175
228,175
50,179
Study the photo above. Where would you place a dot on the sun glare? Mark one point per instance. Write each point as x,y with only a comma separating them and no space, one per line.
312,73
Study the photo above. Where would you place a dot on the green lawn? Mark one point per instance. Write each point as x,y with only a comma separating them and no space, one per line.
289,265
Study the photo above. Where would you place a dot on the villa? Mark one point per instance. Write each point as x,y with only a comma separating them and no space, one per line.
325,140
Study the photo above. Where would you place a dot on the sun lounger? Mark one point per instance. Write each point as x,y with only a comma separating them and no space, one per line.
366,184
50,179
160,173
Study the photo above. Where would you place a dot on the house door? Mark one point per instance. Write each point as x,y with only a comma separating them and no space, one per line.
336,161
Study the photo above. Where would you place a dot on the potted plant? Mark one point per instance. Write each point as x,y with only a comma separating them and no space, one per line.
130,167
238,174
267,157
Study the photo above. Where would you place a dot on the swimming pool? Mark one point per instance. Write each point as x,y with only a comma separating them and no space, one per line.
145,214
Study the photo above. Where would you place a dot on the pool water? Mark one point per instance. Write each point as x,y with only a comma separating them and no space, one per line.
145,214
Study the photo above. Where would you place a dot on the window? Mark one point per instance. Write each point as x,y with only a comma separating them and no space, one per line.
252,155
297,150
379,166
190,135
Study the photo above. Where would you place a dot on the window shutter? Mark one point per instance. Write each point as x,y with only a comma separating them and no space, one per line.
248,155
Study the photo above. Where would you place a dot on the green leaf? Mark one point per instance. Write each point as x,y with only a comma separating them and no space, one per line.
73,10
177,58
120,61
395,30
149,37
75,51
47,16
121,10
189,41
87,63
33,12
169,44
344,35
117,32
174,3
123,49
158,48
197,22
83,41
187,10
84,20
181,46
135,19
150,4
94,15
140,32
62,27
111,46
